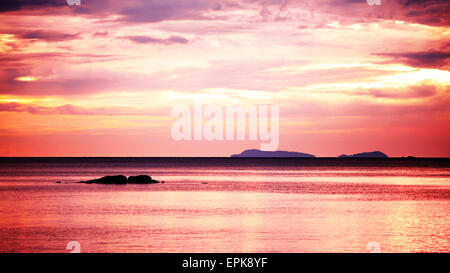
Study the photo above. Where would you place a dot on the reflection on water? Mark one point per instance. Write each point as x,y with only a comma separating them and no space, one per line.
240,209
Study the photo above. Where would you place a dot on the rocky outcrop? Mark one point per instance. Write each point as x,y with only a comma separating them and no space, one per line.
258,153
114,179
121,179
141,179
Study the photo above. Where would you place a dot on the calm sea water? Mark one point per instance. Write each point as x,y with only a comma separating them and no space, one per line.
226,205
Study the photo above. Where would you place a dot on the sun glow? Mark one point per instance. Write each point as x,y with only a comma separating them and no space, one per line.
26,79
419,75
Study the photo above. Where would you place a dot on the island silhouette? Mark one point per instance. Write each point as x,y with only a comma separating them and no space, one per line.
376,154
259,153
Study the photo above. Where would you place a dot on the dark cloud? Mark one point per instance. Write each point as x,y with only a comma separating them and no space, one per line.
424,59
148,11
152,40
100,34
13,5
137,11
429,12
156,10
48,36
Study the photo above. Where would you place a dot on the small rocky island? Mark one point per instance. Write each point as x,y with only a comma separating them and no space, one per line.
121,179
376,154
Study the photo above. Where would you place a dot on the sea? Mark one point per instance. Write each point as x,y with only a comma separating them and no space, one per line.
256,205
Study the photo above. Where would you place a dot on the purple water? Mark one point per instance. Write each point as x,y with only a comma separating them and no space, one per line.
226,205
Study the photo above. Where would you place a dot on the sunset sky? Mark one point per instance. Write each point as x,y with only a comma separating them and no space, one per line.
101,79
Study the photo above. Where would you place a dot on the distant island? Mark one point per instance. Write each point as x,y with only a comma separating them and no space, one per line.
259,153
121,180
376,154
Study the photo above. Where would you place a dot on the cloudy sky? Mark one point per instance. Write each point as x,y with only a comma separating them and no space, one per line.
101,79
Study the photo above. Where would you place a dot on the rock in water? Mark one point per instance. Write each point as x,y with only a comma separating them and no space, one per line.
141,179
115,179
